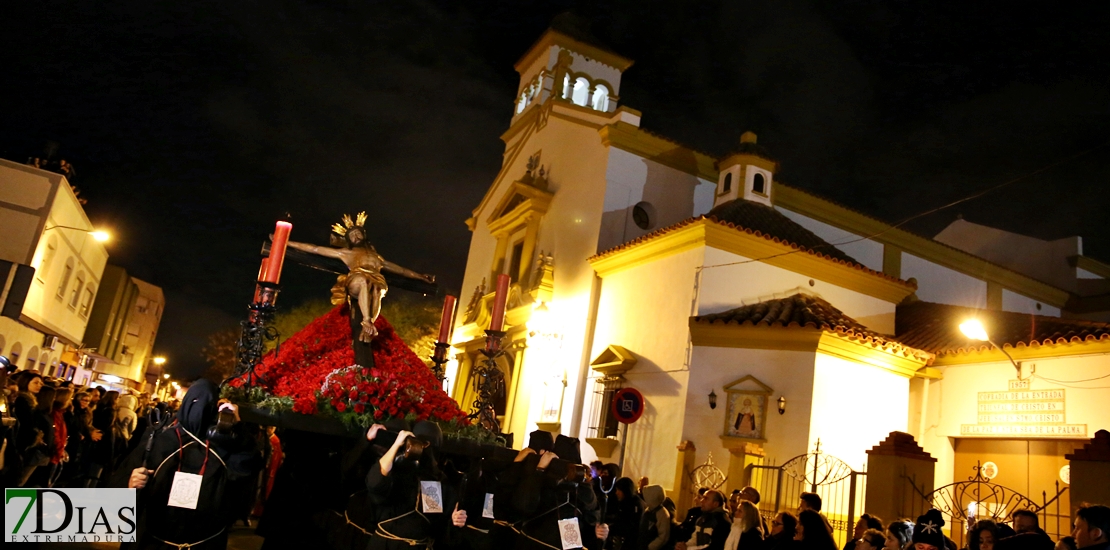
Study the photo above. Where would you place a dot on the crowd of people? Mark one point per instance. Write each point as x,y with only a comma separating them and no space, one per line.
399,488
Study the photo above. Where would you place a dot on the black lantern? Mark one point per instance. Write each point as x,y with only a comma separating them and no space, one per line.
782,405
712,399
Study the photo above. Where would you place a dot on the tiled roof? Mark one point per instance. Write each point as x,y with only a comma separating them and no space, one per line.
935,328
804,311
768,221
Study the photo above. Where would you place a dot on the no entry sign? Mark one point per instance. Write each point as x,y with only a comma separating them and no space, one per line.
628,405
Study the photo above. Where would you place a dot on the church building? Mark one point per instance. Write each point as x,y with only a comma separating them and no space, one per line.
757,319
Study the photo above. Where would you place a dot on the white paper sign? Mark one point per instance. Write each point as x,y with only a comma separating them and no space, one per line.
431,497
569,533
487,508
185,490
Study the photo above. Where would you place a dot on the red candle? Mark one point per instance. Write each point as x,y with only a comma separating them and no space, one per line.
262,271
447,319
277,252
497,321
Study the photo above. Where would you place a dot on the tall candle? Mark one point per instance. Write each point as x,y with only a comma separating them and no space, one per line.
446,319
497,321
277,252
262,270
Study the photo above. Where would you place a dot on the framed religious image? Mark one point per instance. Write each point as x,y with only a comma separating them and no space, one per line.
746,409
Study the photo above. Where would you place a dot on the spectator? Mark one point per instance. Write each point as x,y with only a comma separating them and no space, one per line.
983,535
899,535
125,423
1067,543
623,515
871,539
751,495
1028,534
747,530
712,527
63,400
928,533
36,457
813,531
683,531
103,452
1092,528
812,502
655,527
783,529
866,521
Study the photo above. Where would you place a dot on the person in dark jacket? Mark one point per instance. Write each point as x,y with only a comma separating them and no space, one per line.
712,527
813,532
39,437
1028,536
1092,527
684,529
623,515
103,452
783,529
655,527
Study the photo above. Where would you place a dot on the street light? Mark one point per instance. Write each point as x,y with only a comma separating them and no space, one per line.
974,330
96,234
159,360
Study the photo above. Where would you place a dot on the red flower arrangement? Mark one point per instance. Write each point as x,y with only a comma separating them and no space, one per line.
315,368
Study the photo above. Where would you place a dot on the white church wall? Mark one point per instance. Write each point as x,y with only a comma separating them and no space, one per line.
866,252
729,286
942,285
1012,301
854,407
645,309
670,196
788,373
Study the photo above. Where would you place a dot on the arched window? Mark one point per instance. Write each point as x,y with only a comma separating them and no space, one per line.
13,355
601,98
566,87
47,258
521,103
77,290
86,303
758,184
643,215
32,358
727,185
66,274
44,360
581,91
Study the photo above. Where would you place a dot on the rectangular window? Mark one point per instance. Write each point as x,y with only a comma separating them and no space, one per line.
603,398
76,294
514,264
87,303
65,281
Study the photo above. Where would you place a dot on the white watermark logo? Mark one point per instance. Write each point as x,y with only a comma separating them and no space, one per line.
69,515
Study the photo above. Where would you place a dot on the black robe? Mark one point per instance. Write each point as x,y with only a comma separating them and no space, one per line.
224,457
396,501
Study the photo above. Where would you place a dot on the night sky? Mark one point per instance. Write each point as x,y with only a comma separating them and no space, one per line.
194,125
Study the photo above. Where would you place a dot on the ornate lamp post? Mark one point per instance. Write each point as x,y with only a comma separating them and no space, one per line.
489,381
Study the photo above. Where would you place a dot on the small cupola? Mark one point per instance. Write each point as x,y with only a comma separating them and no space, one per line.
747,173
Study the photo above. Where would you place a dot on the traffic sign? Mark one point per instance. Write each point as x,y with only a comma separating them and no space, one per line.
627,405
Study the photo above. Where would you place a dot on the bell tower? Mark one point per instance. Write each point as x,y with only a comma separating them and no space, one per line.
567,64
747,173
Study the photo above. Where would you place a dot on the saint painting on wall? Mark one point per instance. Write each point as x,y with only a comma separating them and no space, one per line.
746,410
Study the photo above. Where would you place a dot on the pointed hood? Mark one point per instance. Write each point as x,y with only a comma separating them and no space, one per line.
198,407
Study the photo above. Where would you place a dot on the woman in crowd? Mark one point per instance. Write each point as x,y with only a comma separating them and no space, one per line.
813,533
36,457
103,452
747,529
783,529
81,437
898,535
871,539
623,515
983,535
63,401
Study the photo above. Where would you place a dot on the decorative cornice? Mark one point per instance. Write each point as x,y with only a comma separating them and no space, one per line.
698,232
555,38
1090,264
839,216
795,338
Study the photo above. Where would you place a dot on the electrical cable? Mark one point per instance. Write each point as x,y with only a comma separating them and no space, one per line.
927,212
1071,381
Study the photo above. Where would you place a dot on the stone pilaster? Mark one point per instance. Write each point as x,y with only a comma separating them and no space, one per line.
1090,471
894,467
682,493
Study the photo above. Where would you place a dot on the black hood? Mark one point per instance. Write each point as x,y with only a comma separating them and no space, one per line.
198,407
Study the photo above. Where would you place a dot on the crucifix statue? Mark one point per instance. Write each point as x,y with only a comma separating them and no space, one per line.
364,285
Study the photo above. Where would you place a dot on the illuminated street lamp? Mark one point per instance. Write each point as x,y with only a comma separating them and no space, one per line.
97,234
159,360
974,330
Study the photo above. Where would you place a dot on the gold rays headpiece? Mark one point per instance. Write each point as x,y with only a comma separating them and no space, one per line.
342,228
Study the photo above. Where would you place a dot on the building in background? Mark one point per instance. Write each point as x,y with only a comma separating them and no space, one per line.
51,263
122,329
692,277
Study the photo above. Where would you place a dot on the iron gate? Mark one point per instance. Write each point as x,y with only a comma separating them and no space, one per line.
841,488
965,502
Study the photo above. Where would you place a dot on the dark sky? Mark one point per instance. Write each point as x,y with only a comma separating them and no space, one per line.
194,125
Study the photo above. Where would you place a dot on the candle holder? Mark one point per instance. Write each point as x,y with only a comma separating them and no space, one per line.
489,382
439,358
257,330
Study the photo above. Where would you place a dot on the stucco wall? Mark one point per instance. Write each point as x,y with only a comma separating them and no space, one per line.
1012,301
866,252
942,285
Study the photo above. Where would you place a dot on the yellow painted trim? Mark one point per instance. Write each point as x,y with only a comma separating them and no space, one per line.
1024,353
930,373
808,340
602,446
748,158
556,38
705,232
1090,264
613,361
833,214
536,202
892,260
627,137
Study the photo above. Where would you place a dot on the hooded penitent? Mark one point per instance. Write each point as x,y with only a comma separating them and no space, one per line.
568,449
929,529
198,407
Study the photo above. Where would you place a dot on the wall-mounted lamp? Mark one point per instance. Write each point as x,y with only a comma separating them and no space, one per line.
974,330
782,404
712,399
